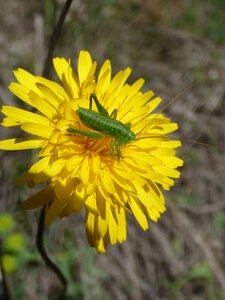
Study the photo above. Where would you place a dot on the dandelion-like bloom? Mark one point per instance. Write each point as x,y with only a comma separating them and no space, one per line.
80,171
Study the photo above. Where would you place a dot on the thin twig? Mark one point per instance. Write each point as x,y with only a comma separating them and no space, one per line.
55,37
6,289
43,252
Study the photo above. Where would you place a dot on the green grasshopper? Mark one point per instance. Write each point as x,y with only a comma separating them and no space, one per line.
104,125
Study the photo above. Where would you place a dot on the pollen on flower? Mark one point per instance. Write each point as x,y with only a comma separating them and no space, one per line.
114,164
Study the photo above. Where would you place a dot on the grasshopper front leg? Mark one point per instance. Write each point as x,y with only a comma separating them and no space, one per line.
114,114
102,111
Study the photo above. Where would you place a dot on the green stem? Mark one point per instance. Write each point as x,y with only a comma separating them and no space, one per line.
55,37
41,249
46,72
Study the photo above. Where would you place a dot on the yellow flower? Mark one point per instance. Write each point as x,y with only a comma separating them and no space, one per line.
80,171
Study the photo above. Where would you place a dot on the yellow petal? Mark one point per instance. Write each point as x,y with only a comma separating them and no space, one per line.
43,106
107,181
161,129
74,204
161,152
74,162
96,164
54,86
37,129
20,91
136,86
49,95
91,204
122,231
154,214
63,190
104,78
53,211
166,171
119,79
138,212
171,144
27,80
22,115
77,203
8,122
100,246
91,228
67,76
21,143
102,226
49,172
80,191
145,198
41,198
101,204
122,180
172,161
112,226
84,170
156,196
84,65
36,168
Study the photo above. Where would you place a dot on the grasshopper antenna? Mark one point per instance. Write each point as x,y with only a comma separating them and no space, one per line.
170,102
199,143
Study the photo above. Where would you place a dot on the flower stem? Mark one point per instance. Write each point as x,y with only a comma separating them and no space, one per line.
41,249
46,72
55,37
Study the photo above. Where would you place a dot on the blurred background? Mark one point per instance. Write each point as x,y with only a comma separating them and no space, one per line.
171,44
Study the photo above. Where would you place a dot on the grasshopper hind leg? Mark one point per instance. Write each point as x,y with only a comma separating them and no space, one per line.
96,135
